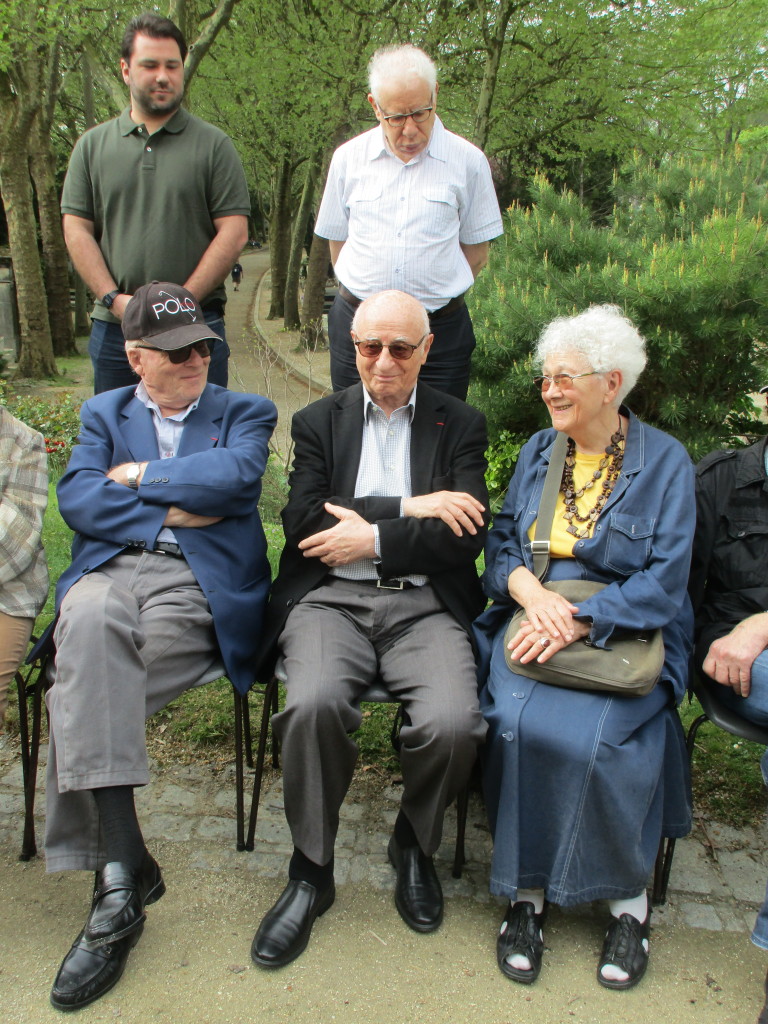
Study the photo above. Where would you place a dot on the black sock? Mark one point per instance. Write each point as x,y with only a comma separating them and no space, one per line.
122,834
404,834
302,869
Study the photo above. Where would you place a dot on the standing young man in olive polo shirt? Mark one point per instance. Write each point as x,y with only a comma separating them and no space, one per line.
154,194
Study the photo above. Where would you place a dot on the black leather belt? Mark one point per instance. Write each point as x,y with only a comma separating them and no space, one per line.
449,307
161,548
382,584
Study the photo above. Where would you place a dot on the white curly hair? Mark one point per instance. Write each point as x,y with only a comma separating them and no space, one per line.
606,338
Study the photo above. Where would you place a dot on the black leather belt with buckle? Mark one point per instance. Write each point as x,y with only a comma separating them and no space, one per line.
163,548
387,584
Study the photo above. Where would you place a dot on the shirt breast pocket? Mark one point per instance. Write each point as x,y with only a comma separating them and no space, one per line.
741,552
442,209
628,548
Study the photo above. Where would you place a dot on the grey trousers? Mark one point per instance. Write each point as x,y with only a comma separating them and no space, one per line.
130,638
336,641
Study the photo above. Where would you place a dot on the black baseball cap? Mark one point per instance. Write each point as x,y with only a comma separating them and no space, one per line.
166,316
763,389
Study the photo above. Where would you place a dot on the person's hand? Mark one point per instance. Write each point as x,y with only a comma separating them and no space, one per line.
730,658
550,614
118,306
176,516
530,645
350,539
457,509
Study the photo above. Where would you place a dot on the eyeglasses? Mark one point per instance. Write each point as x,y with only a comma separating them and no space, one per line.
417,116
181,355
560,380
400,350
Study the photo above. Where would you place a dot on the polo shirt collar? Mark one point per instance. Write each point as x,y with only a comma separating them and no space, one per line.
436,147
176,124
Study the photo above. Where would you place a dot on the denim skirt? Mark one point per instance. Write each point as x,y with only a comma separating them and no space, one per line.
579,786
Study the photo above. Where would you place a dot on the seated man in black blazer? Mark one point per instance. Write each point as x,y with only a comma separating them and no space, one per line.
385,518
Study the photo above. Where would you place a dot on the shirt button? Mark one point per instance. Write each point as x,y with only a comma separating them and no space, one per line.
149,149
518,695
508,736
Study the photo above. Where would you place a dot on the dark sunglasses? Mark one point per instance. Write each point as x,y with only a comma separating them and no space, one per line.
398,349
181,355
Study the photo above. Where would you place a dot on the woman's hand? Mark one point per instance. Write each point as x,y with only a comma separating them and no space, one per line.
528,644
550,614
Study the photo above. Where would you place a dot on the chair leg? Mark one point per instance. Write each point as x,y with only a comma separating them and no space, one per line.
462,807
239,700
247,731
268,707
30,748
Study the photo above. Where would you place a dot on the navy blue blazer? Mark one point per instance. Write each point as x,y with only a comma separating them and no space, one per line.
217,472
448,442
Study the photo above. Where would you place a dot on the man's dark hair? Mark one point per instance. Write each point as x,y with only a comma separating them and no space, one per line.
155,27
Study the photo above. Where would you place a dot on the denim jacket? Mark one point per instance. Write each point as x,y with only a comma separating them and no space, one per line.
640,546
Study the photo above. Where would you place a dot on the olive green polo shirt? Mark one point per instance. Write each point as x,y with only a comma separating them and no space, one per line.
153,198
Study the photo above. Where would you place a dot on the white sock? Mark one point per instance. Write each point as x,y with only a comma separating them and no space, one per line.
637,906
536,897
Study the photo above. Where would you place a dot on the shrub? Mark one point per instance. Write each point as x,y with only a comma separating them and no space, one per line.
684,255
57,418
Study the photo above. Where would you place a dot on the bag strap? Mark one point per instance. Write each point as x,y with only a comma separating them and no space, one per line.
540,545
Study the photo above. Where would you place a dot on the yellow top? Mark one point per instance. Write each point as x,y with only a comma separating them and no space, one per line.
561,542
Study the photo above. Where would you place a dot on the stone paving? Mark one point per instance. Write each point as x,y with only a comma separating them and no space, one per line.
717,882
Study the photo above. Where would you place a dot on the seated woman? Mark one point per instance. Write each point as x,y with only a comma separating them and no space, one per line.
581,785
23,571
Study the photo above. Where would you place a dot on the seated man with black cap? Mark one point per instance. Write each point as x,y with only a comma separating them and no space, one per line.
166,591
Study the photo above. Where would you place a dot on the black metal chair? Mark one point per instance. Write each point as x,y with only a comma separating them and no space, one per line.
714,711
377,693
32,682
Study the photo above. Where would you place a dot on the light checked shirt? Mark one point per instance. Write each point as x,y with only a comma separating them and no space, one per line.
168,430
384,472
402,222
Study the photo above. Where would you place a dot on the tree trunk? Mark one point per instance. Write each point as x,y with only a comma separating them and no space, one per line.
312,333
280,237
55,261
291,308
36,358
494,45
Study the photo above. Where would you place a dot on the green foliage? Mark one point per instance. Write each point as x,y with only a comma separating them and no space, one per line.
501,456
683,254
56,417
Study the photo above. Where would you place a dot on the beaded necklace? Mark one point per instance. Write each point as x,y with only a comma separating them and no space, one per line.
613,459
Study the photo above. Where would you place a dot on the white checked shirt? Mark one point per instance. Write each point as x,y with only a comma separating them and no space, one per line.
168,430
384,472
402,222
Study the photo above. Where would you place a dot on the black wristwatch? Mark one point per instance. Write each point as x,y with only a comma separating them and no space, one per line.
109,298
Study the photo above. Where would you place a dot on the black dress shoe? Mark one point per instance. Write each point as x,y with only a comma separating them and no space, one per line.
119,898
284,933
86,974
418,896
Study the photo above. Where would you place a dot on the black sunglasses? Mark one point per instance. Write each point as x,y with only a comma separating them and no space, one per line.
181,355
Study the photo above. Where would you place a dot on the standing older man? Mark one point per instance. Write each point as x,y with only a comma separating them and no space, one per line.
166,590
384,521
408,205
153,194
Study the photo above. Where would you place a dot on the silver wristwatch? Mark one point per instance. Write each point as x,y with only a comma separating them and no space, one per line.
133,472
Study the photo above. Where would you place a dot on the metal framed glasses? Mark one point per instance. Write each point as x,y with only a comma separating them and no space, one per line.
181,355
400,350
417,116
560,380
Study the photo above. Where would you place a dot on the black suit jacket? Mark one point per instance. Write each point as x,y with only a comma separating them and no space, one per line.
448,442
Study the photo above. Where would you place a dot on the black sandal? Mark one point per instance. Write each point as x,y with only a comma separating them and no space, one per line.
520,934
623,947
